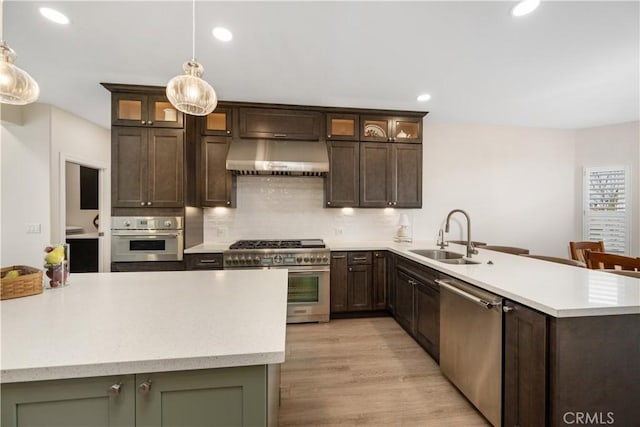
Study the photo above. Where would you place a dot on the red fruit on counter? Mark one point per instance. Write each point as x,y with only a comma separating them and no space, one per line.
54,283
48,249
50,274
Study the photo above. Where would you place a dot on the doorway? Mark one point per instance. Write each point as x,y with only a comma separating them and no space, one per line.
84,213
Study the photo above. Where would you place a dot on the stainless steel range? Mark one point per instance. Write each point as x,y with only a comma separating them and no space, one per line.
308,265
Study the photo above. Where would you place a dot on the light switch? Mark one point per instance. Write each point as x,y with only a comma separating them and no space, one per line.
33,228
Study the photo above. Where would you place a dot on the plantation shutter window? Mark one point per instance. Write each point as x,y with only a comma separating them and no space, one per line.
607,207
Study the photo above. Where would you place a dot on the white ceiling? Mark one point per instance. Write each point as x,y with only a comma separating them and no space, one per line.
568,65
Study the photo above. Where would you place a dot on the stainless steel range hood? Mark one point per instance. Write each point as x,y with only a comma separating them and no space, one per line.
278,157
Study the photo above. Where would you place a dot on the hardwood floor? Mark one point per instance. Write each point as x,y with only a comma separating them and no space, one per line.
365,372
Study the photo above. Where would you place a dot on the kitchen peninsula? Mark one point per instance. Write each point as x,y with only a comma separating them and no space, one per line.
130,348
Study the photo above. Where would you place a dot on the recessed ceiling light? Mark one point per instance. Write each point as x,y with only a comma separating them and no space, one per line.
222,34
424,97
525,7
54,15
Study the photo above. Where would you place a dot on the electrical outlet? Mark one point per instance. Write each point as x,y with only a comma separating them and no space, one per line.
222,231
33,228
338,231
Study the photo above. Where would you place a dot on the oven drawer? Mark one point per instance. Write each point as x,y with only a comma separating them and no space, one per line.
209,261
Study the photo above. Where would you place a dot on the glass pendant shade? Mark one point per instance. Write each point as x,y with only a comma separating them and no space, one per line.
189,93
17,87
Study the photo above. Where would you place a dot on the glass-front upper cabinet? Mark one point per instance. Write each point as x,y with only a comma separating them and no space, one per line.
218,122
131,109
390,129
343,127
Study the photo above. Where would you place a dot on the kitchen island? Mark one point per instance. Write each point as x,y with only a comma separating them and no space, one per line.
213,339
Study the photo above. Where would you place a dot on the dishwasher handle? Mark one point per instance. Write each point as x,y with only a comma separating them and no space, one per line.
486,304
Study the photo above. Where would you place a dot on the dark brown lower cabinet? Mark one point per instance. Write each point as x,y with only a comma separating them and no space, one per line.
525,366
338,280
427,317
380,273
203,261
358,281
404,302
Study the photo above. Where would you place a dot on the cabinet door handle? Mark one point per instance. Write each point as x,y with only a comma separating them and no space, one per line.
228,132
208,261
359,258
144,122
338,256
114,390
145,387
328,203
350,269
148,203
279,135
149,122
141,203
506,308
329,136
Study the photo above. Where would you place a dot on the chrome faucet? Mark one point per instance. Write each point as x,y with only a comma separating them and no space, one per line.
470,248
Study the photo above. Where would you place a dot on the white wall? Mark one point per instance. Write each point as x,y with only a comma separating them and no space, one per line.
517,184
25,146
82,142
33,142
613,145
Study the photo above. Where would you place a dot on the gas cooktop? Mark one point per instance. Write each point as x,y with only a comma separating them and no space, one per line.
277,244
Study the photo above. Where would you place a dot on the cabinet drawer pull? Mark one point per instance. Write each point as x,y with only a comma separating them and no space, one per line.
338,256
145,387
209,261
114,390
279,135
359,258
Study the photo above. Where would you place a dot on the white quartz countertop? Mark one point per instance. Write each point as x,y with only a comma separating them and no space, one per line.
205,248
555,289
124,323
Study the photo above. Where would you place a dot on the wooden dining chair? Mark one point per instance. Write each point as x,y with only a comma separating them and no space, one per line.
506,249
557,260
604,260
578,248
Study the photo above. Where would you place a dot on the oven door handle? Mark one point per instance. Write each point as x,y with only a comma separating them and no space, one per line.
307,271
151,236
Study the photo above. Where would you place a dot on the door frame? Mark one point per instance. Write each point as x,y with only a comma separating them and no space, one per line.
104,235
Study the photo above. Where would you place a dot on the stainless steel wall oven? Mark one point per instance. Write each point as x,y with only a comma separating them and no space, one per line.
146,239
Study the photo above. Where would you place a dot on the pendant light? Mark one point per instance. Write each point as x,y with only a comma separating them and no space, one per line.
17,87
188,92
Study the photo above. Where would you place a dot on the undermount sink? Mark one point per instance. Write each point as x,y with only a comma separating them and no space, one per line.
437,254
458,261
443,256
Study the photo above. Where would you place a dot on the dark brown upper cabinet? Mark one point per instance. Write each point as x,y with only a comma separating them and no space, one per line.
390,175
274,123
217,184
135,109
390,129
342,184
343,127
147,167
218,123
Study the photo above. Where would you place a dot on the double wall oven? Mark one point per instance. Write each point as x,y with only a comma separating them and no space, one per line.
308,264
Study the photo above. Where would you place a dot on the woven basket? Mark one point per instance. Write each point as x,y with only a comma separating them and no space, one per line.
28,283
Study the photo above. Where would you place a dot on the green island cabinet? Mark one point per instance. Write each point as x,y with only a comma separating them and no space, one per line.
226,397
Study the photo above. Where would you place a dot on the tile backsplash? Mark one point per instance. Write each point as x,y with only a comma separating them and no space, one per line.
273,207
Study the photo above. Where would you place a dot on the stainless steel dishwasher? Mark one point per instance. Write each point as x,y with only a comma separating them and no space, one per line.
471,344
